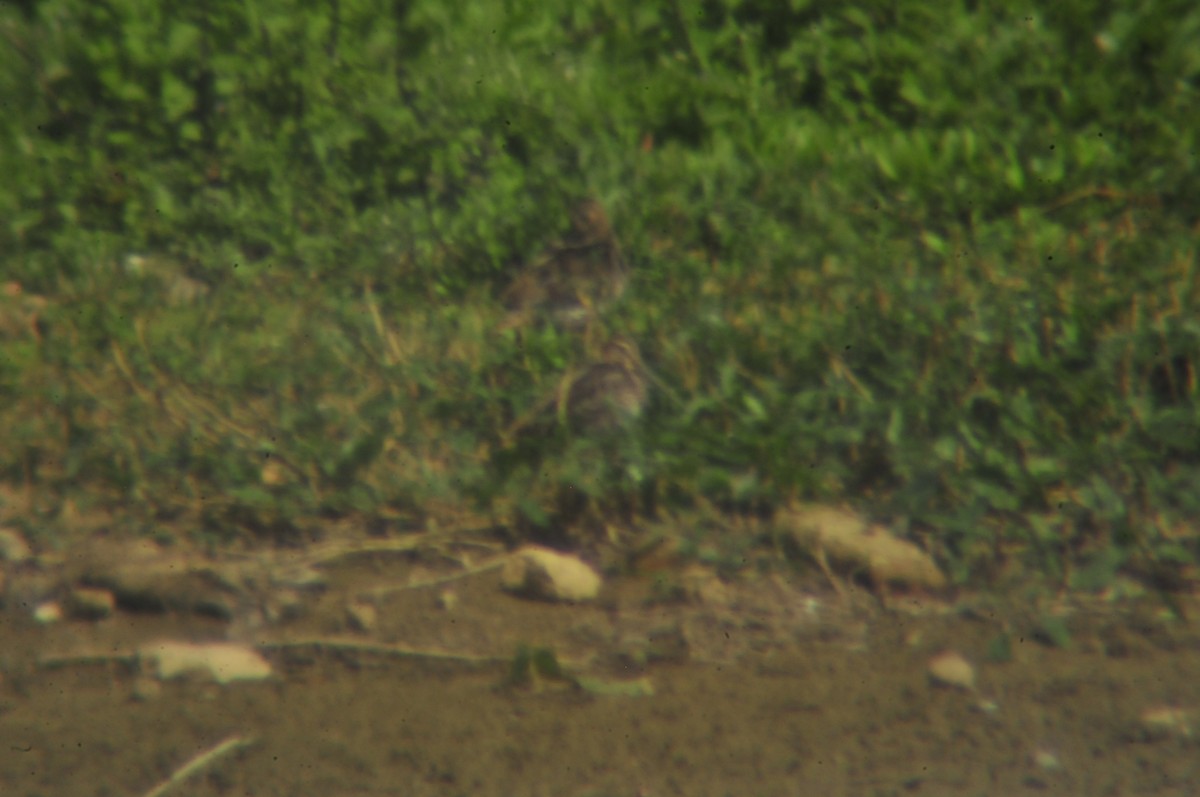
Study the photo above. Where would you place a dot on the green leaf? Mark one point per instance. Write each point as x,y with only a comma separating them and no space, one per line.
521,668
895,427
885,164
1052,630
999,649
934,242
253,496
1100,571
545,663
755,407
183,42
946,449
533,511
910,90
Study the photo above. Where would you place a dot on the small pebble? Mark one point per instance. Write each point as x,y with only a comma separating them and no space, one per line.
1046,760
989,707
362,617
1163,722
951,669
48,613
447,600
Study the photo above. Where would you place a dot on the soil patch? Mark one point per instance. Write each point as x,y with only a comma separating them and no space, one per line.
772,685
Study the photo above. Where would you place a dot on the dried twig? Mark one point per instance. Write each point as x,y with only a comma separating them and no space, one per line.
328,552
199,762
381,649
326,643
53,661
388,589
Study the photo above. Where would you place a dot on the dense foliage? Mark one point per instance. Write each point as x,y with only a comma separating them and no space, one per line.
938,260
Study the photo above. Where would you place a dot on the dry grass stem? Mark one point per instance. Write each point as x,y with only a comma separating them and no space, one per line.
198,763
493,564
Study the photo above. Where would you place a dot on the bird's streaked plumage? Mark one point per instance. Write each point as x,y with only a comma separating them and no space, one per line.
611,391
605,395
573,280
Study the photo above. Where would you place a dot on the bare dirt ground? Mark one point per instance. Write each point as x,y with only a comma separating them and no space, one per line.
772,684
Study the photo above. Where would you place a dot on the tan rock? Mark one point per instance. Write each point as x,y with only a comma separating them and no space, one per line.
362,617
447,600
1162,722
48,613
846,541
951,669
220,662
544,574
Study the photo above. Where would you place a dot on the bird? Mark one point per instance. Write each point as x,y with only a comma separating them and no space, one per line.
572,450
605,395
610,393
572,280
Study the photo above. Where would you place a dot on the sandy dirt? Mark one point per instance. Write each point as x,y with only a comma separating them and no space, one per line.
772,684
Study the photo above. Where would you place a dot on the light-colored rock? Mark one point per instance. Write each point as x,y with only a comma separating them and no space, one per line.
48,613
1046,760
362,617
536,572
13,548
89,603
987,707
951,669
1165,722
844,540
220,662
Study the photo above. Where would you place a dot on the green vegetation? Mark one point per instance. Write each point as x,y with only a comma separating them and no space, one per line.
937,261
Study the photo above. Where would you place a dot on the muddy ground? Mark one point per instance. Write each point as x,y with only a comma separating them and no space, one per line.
772,684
